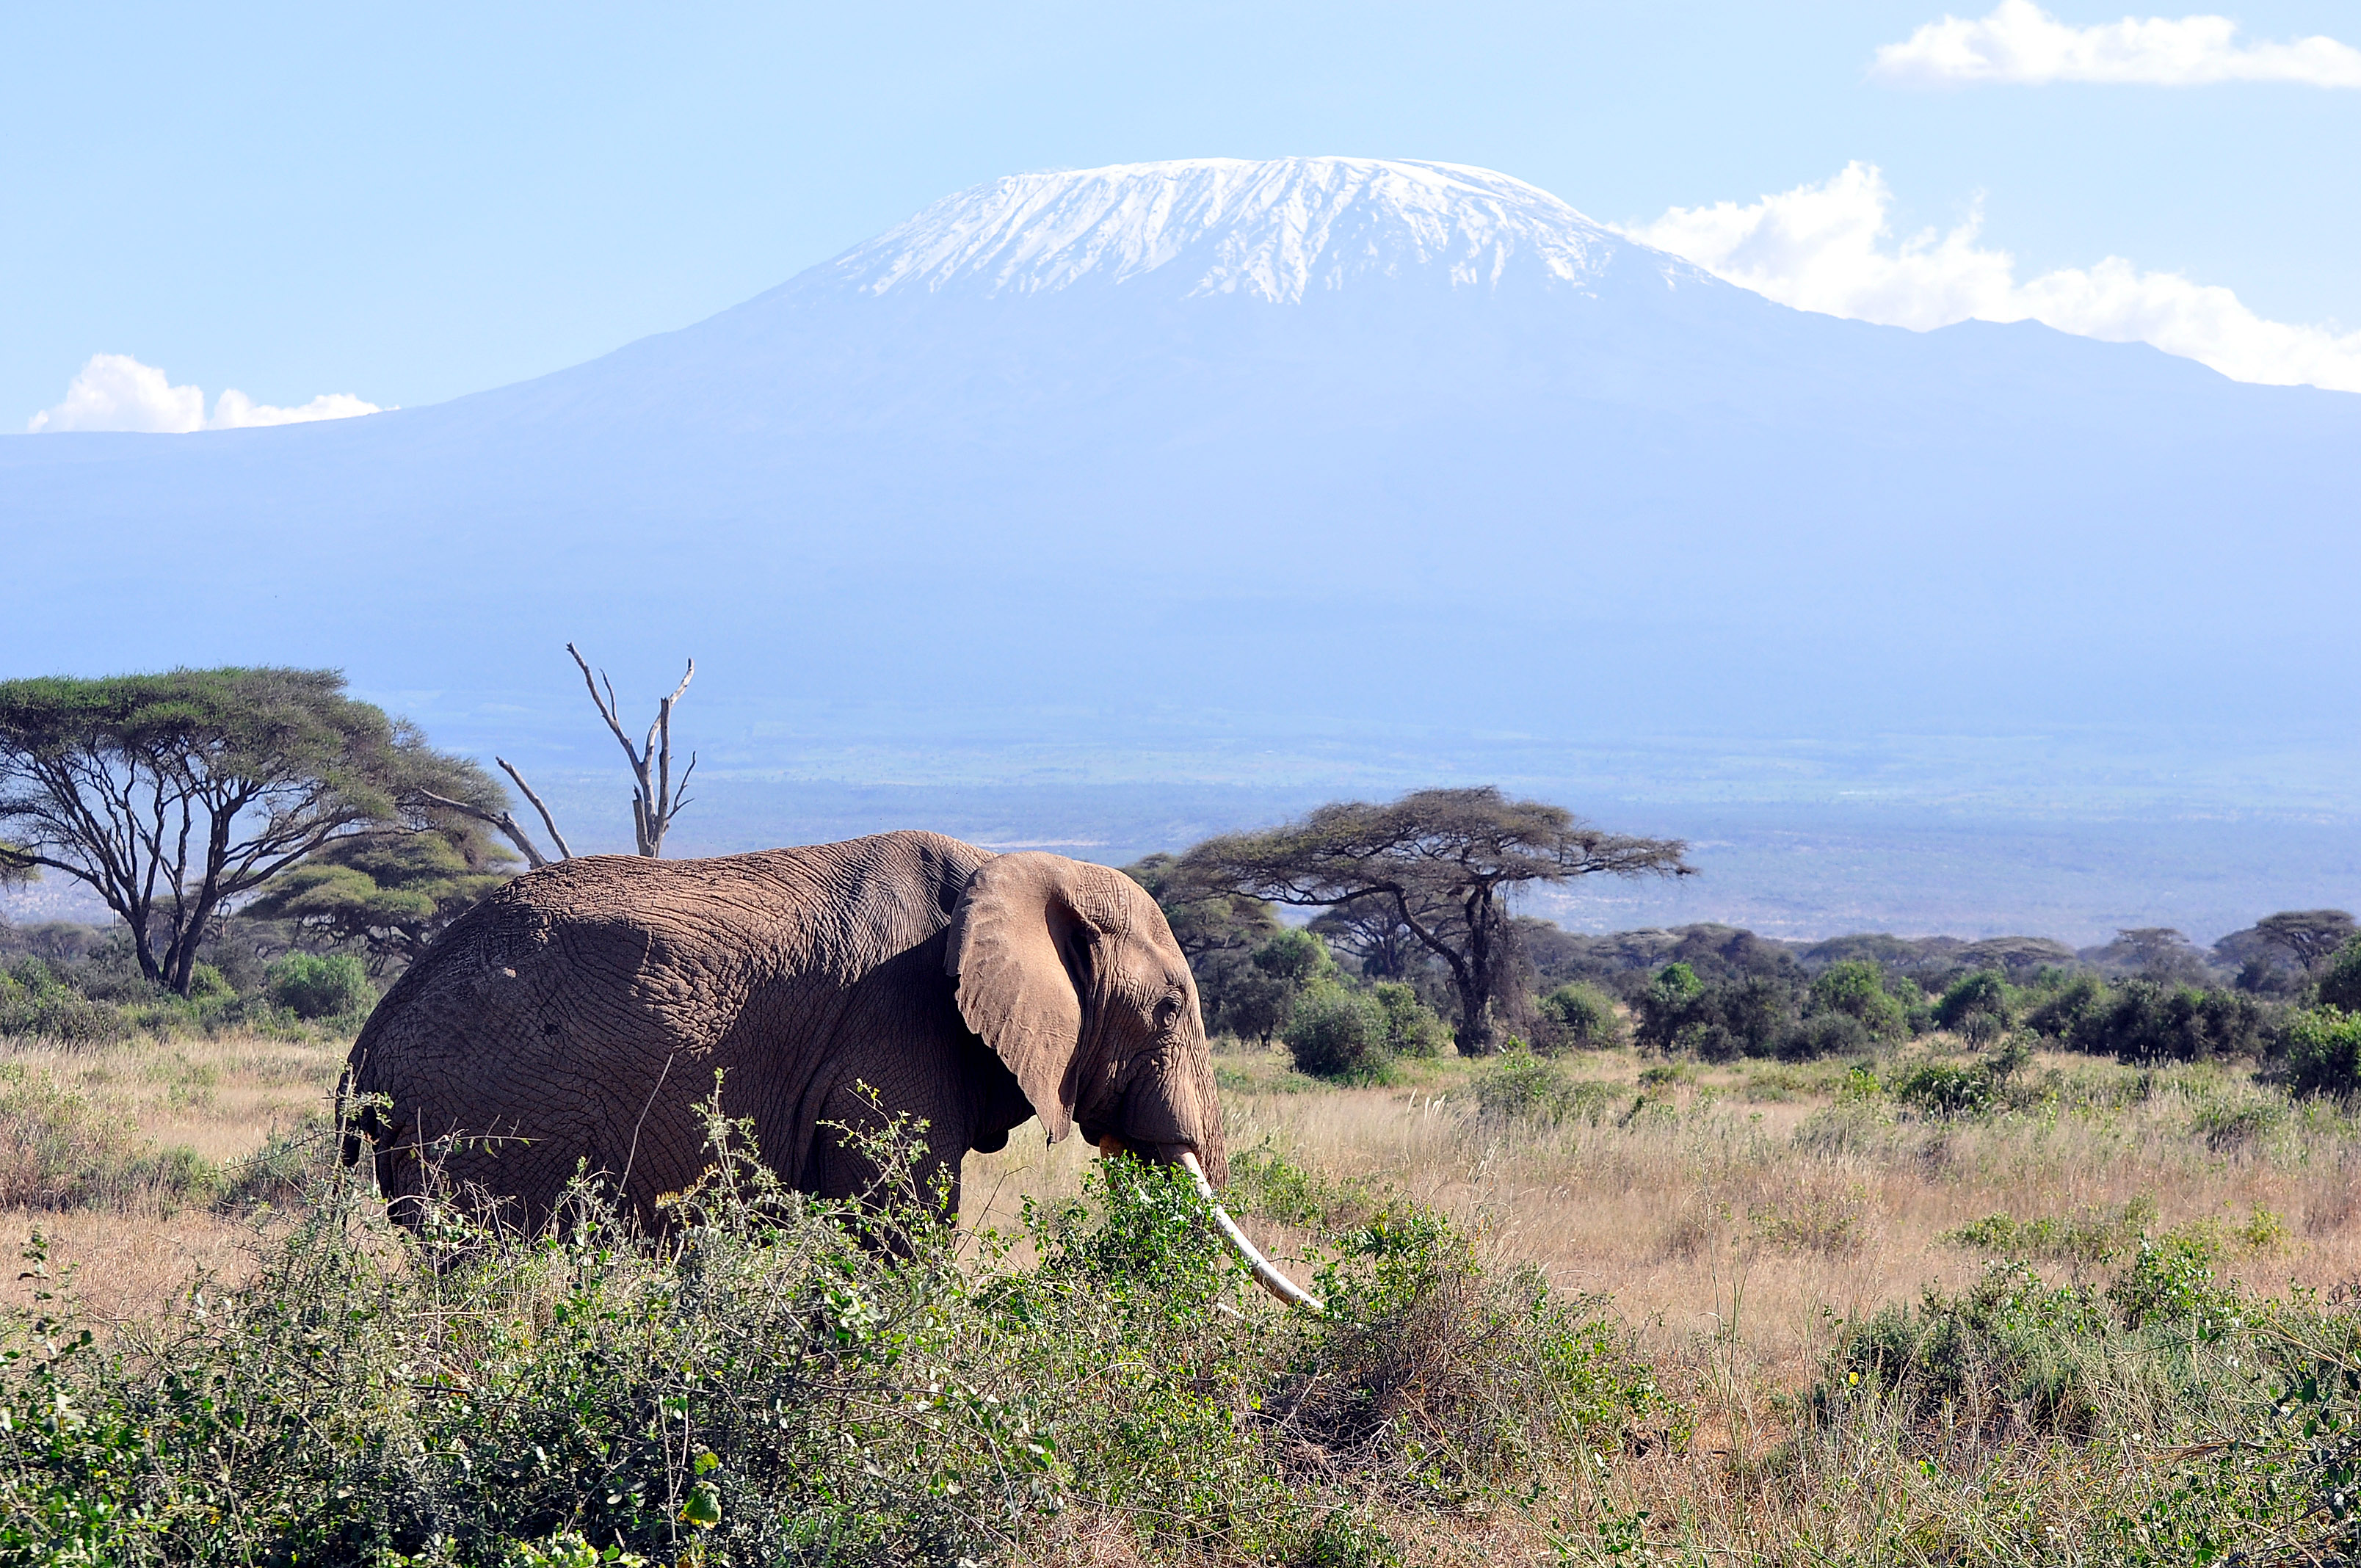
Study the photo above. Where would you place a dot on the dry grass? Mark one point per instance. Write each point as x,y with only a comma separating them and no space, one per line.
1732,1206
1738,1215
220,1098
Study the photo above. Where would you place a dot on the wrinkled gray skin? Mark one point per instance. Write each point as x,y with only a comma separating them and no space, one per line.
579,1015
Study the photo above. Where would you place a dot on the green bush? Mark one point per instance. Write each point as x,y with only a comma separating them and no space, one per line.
1670,1010
1749,1016
2014,1356
2142,1021
36,1003
1943,1089
784,1380
1431,1371
1979,1008
1828,1035
2339,983
1412,1029
1337,1033
1855,989
1258,996
2324,1052
320,985
2059,1016
1584,1018
1520,1086
2087,1235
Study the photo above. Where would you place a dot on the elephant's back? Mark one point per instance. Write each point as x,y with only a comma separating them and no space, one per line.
617,949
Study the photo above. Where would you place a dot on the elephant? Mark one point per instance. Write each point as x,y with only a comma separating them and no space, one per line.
578,1015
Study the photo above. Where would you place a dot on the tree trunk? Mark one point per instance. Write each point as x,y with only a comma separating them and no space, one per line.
1476,1032
1475,1019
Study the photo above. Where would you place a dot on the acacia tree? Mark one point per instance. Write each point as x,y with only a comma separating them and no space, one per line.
393,891
1372,931
171,794
2310,936
1442,859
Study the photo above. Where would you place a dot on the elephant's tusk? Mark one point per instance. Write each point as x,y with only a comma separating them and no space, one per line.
1265,1274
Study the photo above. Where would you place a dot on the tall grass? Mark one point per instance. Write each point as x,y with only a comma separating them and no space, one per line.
778,1379
1595,1310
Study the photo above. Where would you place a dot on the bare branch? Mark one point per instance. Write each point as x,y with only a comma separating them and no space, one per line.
564,853
604,705
505,821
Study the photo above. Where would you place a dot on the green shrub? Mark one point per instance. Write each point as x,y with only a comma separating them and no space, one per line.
1752,1016
1258,996
1979,1008
1943,1089
1337,1033
2170,1280
1584,1018
1518,1085
2087,1235
1828,1035
2060,1015
2141,1021
2339,983
320,985
1412,1029
1669,1010
1855,989
36,1003
1429,1370
2324,1052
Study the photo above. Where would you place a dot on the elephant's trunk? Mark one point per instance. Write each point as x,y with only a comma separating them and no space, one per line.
1265,1273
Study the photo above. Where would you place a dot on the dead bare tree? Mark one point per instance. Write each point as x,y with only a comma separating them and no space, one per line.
654,803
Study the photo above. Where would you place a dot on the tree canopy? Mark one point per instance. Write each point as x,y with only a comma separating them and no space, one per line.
392,892
1441,858
2309,935
171,795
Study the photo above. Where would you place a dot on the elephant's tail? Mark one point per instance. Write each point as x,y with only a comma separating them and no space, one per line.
360,1119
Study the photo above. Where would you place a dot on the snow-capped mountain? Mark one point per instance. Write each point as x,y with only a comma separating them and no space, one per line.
1347,448
1275,231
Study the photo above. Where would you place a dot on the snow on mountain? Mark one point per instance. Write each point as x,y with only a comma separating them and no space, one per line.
1274,230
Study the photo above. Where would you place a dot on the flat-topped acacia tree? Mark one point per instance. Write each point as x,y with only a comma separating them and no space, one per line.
171,795
1439,857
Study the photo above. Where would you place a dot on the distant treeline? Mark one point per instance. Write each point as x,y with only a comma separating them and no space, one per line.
325,845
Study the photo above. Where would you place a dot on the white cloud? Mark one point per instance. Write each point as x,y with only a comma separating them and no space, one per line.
1828,248
2020,42
234,411
114,392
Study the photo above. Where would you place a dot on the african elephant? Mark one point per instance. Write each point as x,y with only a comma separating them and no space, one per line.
580,1014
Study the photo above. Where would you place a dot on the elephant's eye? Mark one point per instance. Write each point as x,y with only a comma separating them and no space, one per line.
1167,1012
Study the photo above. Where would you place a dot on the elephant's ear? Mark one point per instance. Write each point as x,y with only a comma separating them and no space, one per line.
1020,947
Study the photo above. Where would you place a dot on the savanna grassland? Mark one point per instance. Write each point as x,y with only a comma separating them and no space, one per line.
1606,1307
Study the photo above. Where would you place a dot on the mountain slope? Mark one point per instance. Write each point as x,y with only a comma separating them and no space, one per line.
1328,447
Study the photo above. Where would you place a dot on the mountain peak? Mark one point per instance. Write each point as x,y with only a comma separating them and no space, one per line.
1276,229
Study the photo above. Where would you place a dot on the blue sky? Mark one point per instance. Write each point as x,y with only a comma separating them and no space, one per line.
405,205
